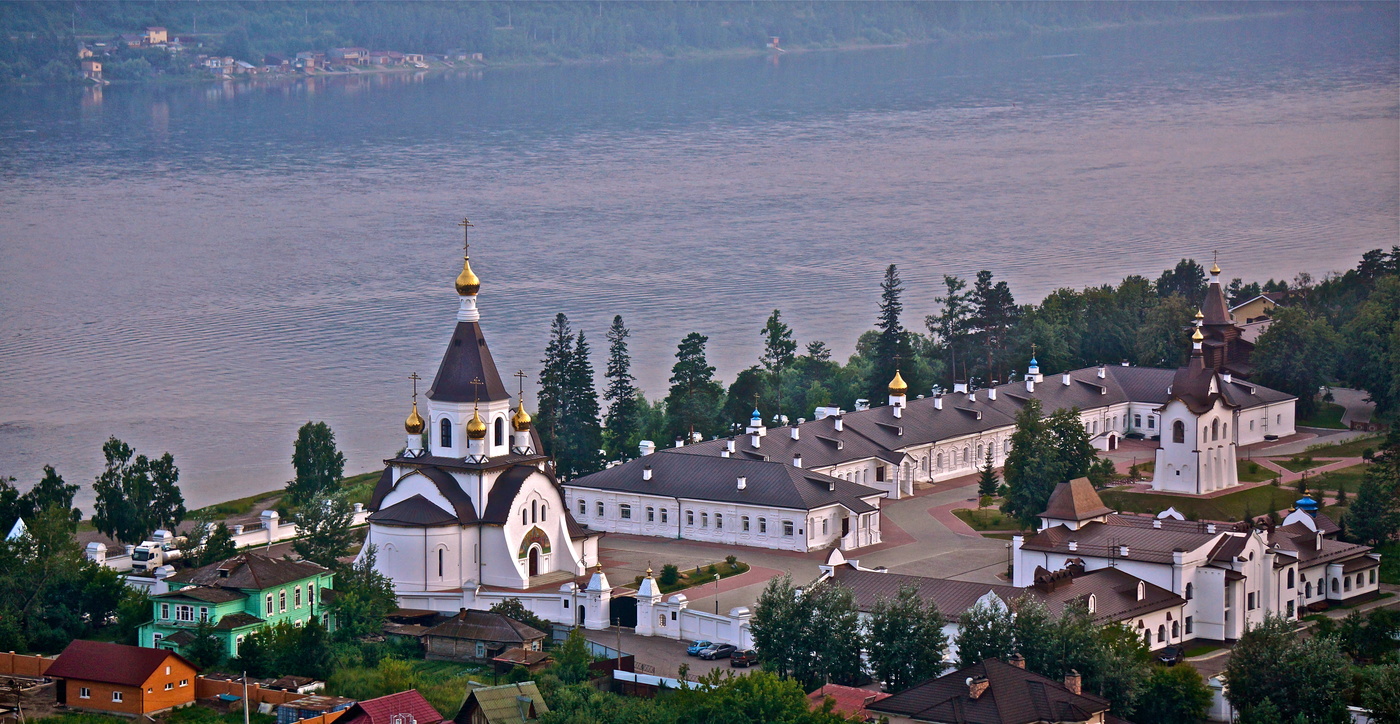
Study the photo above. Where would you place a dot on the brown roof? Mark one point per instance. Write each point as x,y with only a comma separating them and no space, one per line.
1013,696
951,597
405,706
249,571
1076,500
1114,592
1214,309
524,657
1360,564
203,593
110,663
467,358
1145,543
474,625
849,700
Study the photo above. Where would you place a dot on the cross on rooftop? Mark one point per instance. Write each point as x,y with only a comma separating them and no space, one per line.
466,232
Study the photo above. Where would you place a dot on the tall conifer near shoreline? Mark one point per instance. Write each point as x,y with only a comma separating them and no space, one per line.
621,394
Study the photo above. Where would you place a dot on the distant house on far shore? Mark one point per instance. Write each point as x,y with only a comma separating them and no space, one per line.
156,35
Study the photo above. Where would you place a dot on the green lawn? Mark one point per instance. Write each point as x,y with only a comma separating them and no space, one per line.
359,488
442,683
1346,478
1349,449
1252,472
1202,649
988,519
1328,414
241,506
1300,463
1257,501
699,576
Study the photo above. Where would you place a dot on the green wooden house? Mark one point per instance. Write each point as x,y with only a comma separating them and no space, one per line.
238,596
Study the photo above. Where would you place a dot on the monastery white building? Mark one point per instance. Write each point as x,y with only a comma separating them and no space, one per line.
478,509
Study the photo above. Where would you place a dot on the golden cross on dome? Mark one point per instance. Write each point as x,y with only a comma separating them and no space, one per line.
476,384
466,231
1032,350
415,379
520,375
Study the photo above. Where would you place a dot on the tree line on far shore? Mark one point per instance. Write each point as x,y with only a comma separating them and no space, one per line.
1344,329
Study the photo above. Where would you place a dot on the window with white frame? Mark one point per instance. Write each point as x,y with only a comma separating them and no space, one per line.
651,514
296,597
84,693
184,613
704,520
719,521
269,604
744,523
690,517
582,507
165,611
117,696
600,509
787,528
663,515
282,601
624,511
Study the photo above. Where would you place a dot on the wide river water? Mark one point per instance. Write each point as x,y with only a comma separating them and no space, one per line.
201,269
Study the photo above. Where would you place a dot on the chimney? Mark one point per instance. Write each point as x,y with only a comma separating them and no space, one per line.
647,447
1228,377
992,394
831,486
1030,384
976,686
836,419
1157,524
898,411
972,396
938,402
680,442
743,482
1074,545
1103,372
1123,551
1125,363
729,445
796,435
797,460
1210,527
646,473
754,441
724,453
1072,682
1064,379
1017,660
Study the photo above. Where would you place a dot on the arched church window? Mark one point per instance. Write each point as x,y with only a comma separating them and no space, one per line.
1007,447
1161,633
1190,591
1179,432
445,433
1093,603
1334,585
500,431
1215,430
1176,629
940,461
1290,578
1225,430
967,452
979,451
1307,591
534,511
440,557
524,519
544,512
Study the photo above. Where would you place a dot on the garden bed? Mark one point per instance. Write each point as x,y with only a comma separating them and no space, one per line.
697,576
988,519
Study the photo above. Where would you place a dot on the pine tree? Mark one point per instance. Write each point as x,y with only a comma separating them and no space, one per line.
580,436
994,314
892,346
950,327
779,352
621,395
695,398
987,483
558,359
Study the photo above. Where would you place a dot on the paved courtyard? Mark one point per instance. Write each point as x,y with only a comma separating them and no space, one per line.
916,542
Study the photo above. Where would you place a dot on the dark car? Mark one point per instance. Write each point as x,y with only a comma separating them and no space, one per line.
695,648
1171,655
718,651
744,658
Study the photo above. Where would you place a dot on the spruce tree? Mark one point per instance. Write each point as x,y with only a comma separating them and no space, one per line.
892,346
779,352
695,398
988,483
950,327
994,315
579,433
621,395
558,359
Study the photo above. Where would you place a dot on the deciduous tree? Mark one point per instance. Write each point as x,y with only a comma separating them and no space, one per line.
135,494
985,631
323,530
1297,354
363,597
1174,695
319,465
906,641
1302,678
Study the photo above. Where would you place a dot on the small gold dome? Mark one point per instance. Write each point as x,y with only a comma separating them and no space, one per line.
468,283
476,427
1199,315
1214,268
1196,336
897,385
521,420
414,424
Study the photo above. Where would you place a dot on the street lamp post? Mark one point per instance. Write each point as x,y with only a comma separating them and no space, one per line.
716,594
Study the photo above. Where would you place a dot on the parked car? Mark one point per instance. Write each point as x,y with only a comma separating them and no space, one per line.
718,651
744,658
694,649
1171,655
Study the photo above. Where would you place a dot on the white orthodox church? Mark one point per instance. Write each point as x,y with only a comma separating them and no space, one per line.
479,509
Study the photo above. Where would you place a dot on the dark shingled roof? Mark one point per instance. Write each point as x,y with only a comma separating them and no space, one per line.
1114,591
207,594
1145,543
109,663
1013,696
467,358
953,598
492,463
416,511
502,496
1214,308
698,477
877,434
237,620
1076,501
1191,384
442,480
249,571
474,625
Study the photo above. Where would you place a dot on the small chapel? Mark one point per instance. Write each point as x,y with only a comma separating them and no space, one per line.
471,502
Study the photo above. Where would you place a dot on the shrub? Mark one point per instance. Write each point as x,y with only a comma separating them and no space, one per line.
670,574
732,560
712,571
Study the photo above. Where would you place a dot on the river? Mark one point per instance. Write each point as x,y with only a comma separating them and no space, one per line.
201,269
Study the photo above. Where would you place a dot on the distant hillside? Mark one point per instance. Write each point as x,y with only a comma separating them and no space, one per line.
38,33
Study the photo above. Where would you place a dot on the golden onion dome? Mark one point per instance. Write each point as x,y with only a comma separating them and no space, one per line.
521,420
476,427
468,283
414,424
1196,336
897,385
1214,268
1199,315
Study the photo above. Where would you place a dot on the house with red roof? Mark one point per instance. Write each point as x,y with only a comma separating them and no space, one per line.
123,680
849,701
405,707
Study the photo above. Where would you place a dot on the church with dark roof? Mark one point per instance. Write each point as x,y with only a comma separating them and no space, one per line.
477,506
